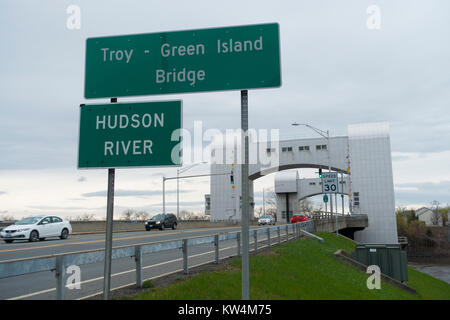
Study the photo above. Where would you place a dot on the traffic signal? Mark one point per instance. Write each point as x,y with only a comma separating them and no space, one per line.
232,177
320,172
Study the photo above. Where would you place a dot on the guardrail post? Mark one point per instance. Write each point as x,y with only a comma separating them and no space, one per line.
279,234
60,274
216,243
138,259
287,233
238,239
255,238
185,256
268,237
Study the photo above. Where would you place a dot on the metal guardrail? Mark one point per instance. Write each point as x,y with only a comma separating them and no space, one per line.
329,215
59,262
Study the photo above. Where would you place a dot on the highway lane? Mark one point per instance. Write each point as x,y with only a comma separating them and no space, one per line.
24,249
42,285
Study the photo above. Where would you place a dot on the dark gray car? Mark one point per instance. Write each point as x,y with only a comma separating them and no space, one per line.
162,221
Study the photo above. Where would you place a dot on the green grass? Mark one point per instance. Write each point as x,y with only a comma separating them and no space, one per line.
148,284
304,269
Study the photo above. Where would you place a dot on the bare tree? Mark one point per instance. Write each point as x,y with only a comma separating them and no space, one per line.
84,217
127,214
7,218
141,215
186,215
437,215
306,206
259,212
271,204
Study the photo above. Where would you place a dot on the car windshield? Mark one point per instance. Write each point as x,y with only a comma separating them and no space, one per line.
158,217
266,217
29,220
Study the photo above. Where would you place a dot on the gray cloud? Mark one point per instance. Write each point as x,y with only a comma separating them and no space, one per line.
422,192
185,203
130,193
59,208
335,70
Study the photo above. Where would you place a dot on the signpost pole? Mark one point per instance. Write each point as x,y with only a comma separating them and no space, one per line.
342,192
164,195
109,227
245,204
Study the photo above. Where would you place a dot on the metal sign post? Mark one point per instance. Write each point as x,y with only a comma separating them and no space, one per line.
244,219
109,227
215,59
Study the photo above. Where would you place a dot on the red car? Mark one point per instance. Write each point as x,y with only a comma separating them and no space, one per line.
299,217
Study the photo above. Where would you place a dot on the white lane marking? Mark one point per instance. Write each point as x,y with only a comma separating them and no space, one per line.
133,270
32,294
115,274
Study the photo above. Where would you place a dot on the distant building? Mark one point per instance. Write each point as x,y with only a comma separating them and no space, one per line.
430,217
365,153
207,204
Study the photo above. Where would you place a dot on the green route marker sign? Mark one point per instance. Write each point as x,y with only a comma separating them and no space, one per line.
229,58
325,198
144,134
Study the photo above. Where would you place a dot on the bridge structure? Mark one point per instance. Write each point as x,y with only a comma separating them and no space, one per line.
363,157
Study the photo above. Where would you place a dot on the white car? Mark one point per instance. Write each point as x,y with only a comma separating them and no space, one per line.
37,228
266,220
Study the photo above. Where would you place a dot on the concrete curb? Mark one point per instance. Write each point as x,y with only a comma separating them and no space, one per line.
345,257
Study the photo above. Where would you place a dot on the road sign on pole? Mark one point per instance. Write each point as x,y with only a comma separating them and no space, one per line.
215,59
140,134
325,198
329,182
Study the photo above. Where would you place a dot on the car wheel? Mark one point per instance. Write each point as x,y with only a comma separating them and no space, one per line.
34,236
148,229
8,241
174,226
41,239
162,227
64,234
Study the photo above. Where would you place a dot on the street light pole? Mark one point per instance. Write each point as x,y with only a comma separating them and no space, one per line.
264,204
164,195
181,170
329,168
178,194
327,136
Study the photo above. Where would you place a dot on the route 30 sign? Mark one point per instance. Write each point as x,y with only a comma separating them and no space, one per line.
329,182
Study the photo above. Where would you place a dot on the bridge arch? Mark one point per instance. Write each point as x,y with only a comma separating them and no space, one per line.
266,171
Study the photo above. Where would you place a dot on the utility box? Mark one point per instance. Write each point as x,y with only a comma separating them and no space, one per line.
390,258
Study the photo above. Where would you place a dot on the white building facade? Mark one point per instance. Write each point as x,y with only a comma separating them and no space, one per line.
363,157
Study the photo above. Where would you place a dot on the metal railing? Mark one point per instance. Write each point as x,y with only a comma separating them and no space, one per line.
59,262
329,215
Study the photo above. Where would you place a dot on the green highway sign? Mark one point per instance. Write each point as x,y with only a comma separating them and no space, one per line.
229,58
143,134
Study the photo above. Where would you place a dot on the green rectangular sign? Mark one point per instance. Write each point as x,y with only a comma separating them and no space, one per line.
230,58
143,134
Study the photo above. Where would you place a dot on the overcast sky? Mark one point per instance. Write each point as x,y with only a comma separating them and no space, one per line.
336,71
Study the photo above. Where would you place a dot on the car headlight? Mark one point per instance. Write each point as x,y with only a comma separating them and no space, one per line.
21,230
158,222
